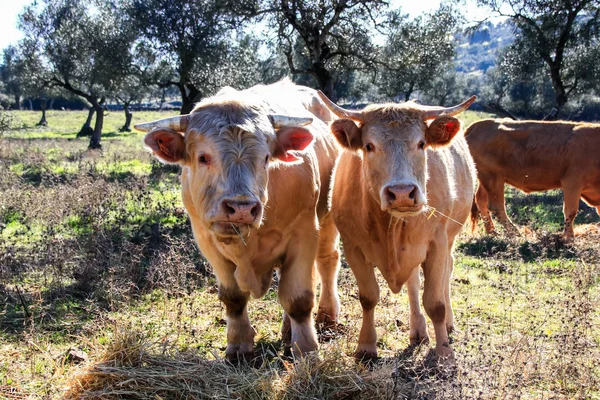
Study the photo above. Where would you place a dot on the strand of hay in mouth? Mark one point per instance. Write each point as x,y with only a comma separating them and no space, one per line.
134,368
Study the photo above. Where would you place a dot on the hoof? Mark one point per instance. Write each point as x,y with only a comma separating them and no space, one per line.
366,357
325,319
418,338
237,354
327,333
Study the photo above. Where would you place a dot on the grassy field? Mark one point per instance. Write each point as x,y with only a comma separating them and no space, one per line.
104,295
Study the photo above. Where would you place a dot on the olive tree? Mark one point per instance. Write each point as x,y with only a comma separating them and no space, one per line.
86,48
417,51
560,35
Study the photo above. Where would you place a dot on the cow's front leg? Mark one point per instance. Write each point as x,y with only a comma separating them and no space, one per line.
297,294
497,204
482,202
328,265
368,294
240,334
298,299
418,326
571,196
435,293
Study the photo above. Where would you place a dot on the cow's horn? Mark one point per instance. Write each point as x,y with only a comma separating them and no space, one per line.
178,124
339,111
279,121
432,112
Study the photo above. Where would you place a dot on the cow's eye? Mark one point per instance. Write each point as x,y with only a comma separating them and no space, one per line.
421,145
204,159
369,147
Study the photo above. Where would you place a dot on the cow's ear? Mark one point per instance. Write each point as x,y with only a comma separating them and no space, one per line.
347,133
168,145
442,130
291,138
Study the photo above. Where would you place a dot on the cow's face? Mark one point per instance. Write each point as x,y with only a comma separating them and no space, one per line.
393,145
225,167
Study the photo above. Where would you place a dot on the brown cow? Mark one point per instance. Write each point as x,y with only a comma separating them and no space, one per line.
402,192
256,203
534,156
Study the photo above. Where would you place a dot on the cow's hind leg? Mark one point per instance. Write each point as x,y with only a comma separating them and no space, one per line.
368,293
328,264
240,334
418,326
435,293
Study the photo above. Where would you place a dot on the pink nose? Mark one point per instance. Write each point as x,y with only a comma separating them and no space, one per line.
242,212
398,196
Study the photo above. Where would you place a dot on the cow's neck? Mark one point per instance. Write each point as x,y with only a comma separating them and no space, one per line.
393,241
254,258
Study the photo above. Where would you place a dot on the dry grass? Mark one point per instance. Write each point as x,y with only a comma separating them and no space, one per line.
103,295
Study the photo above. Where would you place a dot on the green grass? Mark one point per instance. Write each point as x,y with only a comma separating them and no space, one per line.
96,255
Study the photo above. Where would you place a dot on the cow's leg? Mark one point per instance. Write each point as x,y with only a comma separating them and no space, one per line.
328,264
495,190
482,200
418,326
240,334
297,293
571,195
449,311
368,293
435,293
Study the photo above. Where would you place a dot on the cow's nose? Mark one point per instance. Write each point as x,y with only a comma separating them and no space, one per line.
243,212
400,195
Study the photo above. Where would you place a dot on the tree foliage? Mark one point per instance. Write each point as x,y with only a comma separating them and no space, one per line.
193,37
562,35
322,38
417,51
12,74
85,46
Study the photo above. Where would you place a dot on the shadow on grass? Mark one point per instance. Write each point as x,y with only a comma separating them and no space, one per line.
548,246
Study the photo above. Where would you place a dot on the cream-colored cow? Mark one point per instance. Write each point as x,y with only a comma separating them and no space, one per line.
403,188
255,183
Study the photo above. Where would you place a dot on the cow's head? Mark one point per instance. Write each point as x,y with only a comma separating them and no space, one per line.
392,140
225,150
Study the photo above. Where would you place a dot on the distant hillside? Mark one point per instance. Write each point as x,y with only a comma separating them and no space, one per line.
477,51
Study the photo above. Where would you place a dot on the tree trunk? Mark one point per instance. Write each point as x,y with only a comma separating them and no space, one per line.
17,101
188,99
128,116
30,104
559,92
325,81
86,129
43,106
97,133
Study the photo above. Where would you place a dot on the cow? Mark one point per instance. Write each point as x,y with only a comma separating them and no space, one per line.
534,156
403,188
255,181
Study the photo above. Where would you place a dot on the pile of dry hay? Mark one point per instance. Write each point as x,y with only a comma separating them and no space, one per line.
134,368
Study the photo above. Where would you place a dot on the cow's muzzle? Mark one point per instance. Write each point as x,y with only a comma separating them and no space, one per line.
235,216
402,199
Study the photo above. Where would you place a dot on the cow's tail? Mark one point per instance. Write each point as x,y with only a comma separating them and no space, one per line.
474,215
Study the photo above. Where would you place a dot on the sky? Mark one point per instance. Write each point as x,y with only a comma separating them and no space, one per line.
10,10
